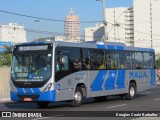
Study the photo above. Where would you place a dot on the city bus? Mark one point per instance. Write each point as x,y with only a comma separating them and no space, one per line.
45,72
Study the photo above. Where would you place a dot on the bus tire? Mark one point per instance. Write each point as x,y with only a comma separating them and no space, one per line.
131,92
42,104
78,98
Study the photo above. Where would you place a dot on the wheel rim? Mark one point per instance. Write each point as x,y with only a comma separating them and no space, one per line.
132,92
78,97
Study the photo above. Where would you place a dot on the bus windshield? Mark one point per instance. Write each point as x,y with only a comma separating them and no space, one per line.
31,67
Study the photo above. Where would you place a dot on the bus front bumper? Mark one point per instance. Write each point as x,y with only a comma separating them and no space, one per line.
43,96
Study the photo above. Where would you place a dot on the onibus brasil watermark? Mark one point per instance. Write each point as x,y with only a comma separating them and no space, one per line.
21,114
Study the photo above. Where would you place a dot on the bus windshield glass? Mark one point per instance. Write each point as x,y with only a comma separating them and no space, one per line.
31,67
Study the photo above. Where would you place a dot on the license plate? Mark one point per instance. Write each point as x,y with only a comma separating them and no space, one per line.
27,99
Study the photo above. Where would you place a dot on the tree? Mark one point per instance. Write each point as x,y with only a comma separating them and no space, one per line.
158,63
5,57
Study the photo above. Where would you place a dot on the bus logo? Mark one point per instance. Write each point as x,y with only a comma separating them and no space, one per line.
30,76
138,74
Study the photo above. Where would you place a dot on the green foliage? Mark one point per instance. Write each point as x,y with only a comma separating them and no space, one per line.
5,57
8,59
158,63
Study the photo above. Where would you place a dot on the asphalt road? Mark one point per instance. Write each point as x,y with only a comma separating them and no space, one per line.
145,101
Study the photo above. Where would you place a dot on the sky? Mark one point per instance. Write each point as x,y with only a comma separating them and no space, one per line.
88,10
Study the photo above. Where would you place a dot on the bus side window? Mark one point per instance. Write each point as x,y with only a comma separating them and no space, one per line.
76,64
62,63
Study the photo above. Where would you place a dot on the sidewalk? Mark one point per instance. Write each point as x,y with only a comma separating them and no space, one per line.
4,97
158,81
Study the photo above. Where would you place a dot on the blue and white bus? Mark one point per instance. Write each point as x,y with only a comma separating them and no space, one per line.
46,72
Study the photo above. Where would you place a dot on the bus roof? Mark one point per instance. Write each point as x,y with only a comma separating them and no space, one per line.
94,44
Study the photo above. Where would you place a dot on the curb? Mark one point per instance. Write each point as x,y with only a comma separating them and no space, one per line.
5,100
158,82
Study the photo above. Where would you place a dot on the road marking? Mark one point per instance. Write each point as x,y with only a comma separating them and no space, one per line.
157,99
41,118
117,106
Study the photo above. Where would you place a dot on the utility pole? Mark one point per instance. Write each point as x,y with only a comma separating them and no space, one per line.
105,21
151,23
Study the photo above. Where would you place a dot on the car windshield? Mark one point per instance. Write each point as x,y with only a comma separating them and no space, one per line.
31,67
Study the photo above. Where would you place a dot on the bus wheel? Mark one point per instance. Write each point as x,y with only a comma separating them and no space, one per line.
42,104
131,92
100,99
78,97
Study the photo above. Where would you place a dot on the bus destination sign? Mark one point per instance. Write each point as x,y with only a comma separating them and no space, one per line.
32,48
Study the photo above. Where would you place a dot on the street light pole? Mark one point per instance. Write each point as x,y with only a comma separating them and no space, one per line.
105,21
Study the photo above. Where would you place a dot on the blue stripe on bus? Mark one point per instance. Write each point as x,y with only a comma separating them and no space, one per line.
151,50
36,90
145,49
14,96
48,96
98,82
20,90
28,90
121,79
120,47
100,46
111,47
110,81
45,96
152,77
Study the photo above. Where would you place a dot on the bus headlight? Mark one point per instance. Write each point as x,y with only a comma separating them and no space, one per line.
12,87
47,88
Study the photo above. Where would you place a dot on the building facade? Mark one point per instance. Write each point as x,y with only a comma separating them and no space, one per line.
120,27
59,38
72,27
94,33
12,33
147,24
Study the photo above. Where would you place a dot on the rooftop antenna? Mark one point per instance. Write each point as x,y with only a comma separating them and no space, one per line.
72,12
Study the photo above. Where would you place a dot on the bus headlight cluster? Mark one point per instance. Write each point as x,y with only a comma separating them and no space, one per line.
12,87
48,87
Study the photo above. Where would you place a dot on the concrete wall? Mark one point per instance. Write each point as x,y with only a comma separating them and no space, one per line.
4,80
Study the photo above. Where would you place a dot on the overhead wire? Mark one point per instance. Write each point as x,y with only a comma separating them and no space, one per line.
58,20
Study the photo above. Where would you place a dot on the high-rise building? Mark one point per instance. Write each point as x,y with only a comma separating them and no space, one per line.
72,27
12,33
147,24
120,27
